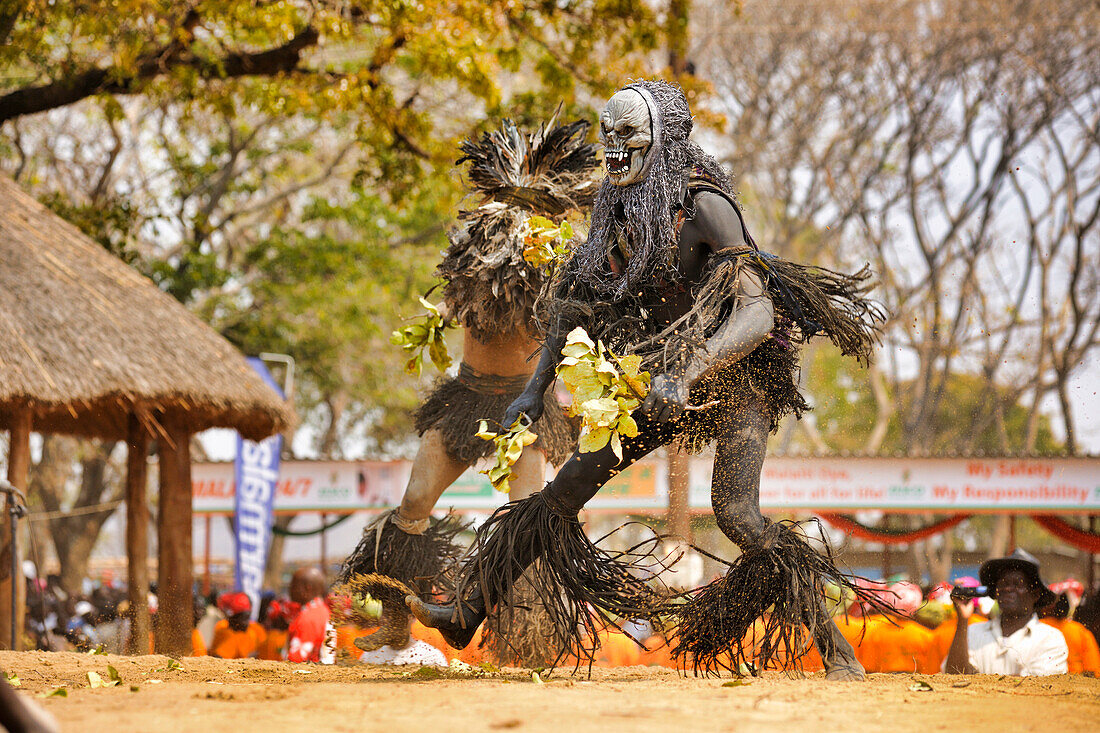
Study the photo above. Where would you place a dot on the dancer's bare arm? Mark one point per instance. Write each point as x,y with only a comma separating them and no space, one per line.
529,402
715,226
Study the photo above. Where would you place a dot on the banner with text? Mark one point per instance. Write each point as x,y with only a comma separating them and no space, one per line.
927,484
1056,485
256,471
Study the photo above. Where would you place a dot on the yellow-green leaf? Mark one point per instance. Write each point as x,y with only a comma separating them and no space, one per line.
617,445
579,336
430,308
438,353
627,426
595,440
602,411
576,350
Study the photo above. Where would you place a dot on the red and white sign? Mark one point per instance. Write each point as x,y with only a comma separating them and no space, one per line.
1061,485
929,484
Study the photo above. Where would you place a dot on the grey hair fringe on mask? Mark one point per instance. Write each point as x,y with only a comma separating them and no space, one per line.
648,207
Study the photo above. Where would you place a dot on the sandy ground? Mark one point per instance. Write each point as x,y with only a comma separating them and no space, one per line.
212,695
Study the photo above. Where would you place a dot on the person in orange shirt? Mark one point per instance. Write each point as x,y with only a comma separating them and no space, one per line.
853,623
431,636
236,636
901,646
616,649
473,653
1084,654
808,659
280,612
898,643
657,653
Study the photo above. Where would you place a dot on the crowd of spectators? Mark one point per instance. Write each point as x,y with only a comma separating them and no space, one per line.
1023,627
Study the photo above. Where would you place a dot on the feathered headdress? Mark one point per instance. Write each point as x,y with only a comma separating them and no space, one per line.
548,172
515,174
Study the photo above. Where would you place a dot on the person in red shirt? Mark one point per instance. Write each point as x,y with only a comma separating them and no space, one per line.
311,637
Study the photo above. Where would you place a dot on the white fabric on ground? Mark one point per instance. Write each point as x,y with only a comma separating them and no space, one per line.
417,653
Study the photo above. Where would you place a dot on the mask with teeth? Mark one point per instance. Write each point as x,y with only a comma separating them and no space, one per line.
628,134
644,130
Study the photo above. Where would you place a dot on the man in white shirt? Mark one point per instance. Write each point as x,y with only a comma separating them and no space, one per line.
1014,643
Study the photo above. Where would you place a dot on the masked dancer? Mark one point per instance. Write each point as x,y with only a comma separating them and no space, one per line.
670,273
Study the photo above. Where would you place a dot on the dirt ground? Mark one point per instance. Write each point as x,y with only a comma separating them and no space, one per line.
212,695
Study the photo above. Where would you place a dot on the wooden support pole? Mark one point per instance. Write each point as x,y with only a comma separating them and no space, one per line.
137,534
19,466
324,546
679,510
175,575
206,556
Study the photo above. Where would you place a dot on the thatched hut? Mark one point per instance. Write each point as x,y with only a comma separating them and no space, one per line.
90,347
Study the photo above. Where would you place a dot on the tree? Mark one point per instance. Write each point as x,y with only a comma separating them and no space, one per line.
224,121
284,169
75,474
955,148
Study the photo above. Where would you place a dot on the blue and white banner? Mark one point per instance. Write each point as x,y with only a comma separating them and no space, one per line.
256,472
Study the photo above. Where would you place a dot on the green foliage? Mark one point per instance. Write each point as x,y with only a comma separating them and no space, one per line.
546,244
509,446
326,293
296,201
112,221
606,389
428,334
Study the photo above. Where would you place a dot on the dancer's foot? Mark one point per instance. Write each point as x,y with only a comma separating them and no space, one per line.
457,628
848,670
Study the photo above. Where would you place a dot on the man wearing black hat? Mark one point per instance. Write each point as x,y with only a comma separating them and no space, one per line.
1014,643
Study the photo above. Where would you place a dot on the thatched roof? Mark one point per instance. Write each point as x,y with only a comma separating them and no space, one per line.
85,340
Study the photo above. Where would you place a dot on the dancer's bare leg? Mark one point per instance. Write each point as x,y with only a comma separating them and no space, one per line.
433,470
529,474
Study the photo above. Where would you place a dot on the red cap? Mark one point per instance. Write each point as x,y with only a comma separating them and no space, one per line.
283,608
233,603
